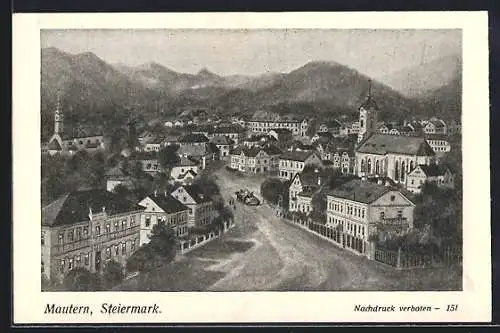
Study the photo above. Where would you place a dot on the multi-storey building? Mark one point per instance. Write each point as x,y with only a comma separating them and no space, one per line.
224,143
201,210
293,162
296,126
439,143
360,208
185,165
301,190
117,176
255,159
87,229
233,132
435,126
163,207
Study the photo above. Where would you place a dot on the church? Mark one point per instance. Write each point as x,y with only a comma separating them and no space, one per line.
385,155
61,142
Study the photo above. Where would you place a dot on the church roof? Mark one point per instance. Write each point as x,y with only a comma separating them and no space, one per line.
381,144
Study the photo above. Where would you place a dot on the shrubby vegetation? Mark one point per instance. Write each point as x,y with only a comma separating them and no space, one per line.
81,279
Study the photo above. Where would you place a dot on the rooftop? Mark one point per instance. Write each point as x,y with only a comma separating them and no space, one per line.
296,155
381,144
360,191
168,203
75,207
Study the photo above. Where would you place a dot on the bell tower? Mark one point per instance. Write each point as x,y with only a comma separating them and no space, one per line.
58,116
368,115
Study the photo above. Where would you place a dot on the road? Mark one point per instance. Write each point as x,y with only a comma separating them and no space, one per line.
263,252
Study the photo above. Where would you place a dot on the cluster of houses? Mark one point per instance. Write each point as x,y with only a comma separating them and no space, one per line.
388,162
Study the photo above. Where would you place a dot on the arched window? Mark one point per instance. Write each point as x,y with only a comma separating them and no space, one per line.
403,171
411,165
362,165
377,167
396,171
369,165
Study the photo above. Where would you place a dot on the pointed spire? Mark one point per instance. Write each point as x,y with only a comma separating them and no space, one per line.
369,88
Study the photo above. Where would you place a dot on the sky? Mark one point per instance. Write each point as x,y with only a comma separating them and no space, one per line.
251,52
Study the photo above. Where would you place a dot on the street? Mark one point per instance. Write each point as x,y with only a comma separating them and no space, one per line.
263,252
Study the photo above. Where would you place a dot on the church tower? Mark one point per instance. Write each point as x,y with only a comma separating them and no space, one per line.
58,116
368,115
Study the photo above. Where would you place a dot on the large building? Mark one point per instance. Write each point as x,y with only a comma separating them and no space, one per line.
87,229
201,210
368,116
163,207
255,159
361,208
64,142
301,191
392,156
298,127
293,162
440,175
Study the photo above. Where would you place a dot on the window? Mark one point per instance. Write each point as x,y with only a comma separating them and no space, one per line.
124,248
400,214
97,230
78,233
70,235
124,224
43,237
116,250
63,263
393,197
87,259
148,221
108,253
85,231
382,215
132,221
116,225
132,245
78,259
70,263
60,239
108,228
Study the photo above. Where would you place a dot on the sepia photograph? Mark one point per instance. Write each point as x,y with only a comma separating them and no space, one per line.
276,167
264,160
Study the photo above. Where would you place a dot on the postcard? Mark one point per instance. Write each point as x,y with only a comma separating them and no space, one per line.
251,168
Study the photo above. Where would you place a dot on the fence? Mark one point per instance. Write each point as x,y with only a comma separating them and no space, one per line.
401,259
199,240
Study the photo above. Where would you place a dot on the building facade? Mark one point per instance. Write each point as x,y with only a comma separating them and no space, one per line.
440,175
255,159
294,162
162,207
200,207
87,229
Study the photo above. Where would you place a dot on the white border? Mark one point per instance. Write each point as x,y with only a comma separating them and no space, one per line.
474,302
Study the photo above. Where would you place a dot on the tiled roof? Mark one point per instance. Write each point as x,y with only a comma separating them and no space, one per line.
196,192
272,150
311,178
193,138
436,123
192,150
360,191
116,172
74,207
222,140
433,170
296,155
381,144
228,129
183,175
185,162
168,203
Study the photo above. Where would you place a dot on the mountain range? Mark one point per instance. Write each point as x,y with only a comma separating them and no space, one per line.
94,91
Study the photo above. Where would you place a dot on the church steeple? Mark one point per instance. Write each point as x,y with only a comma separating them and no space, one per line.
368,114
58,116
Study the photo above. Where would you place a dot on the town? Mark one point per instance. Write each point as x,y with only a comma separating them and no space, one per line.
380,195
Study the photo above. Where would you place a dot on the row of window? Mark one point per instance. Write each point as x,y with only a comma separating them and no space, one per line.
291,164
172,221
353,228
275,125
71,262
350,209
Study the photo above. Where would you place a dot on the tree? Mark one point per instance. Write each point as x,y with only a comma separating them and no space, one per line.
168,157
208,185
318,203
272,189
143,260
163,241
112,274
81,279
311,128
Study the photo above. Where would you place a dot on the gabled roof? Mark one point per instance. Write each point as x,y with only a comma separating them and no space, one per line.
434,170
362,191
195,192
300,156
310,178
222,140
436,123
227,129
189,172
74,207
116,172
272,150
382,144
183,161
168,203
192,137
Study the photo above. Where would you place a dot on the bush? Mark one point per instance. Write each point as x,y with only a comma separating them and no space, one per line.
273,190
112,274
81,279
143,260
163,241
